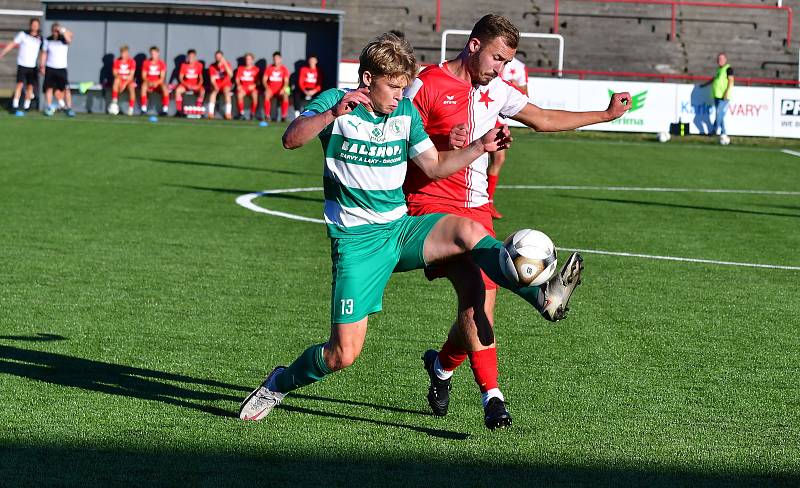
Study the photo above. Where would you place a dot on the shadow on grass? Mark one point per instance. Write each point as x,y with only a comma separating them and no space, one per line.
235,191
148,384
39,337
87,466
218,165
677,205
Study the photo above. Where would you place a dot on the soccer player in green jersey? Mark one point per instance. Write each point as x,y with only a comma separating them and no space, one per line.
367,136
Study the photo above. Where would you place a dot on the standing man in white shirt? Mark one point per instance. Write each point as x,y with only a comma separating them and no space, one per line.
516,75
54,68
30,44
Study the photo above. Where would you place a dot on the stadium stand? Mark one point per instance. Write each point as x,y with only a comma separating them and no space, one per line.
600,36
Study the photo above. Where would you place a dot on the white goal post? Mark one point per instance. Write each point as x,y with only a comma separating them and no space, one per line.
536,35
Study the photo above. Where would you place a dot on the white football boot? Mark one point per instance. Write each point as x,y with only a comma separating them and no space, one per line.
558,290
261,402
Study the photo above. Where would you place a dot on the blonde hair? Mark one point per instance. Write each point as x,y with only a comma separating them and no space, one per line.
388,55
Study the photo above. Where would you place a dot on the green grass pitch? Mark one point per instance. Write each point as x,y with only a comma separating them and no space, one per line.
139,304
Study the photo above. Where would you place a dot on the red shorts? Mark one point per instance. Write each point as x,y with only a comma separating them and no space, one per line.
153,85
248,89
275,90
480,215
220,85
123,84
194,87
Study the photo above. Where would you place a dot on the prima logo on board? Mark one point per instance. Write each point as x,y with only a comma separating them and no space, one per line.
790,107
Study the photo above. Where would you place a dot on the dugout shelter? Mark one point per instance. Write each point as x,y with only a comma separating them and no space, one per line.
102,26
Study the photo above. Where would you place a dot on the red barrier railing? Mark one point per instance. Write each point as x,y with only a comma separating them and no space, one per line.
674,4
664,77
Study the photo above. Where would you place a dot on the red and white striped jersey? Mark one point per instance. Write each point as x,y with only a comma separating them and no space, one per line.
515,72
444,101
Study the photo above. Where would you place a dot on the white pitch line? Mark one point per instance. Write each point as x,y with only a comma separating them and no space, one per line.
789,151
675,258
246,201
648,189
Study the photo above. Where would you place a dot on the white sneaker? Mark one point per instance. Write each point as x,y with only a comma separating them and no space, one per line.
144,109
558,290
261,402
130,111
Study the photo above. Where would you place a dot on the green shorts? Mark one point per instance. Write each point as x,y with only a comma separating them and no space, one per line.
362,264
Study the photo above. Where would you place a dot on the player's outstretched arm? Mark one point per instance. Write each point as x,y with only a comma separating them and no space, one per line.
307,127
11,45
437,165
544,120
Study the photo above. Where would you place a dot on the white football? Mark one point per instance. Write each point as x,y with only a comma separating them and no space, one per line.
530,258
724,140
663,137
113,108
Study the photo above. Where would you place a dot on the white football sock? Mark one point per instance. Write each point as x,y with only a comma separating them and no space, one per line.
441,373
211,107
27,103
228,108
61,103
493,393
15,103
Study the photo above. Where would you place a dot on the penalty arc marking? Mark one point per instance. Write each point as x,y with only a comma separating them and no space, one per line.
246,201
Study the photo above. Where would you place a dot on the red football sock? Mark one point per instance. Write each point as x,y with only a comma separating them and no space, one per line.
199,101
240,106
484,368
114,94
143,100
284,109
131,102
179,104
267,109
492,185
451,356
165,101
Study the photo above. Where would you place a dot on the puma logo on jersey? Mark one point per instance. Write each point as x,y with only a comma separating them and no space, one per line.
450,100
355,126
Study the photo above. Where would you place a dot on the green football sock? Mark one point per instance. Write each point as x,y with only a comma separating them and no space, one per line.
486,254
306,369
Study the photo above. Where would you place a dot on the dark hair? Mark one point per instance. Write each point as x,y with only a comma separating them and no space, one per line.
313,55
34,19
276,53
219,52
191,51
492,26
398,33
154,48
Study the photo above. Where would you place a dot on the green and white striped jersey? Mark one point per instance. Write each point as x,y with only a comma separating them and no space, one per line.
365,163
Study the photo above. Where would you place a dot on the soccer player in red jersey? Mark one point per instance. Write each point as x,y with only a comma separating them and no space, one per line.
309,83
221,75
468,93
515,74
154,75
276,83
191,79
246,79
124,69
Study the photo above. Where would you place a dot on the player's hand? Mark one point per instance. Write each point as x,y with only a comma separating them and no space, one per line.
350,101
497,139
619,104
458,136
